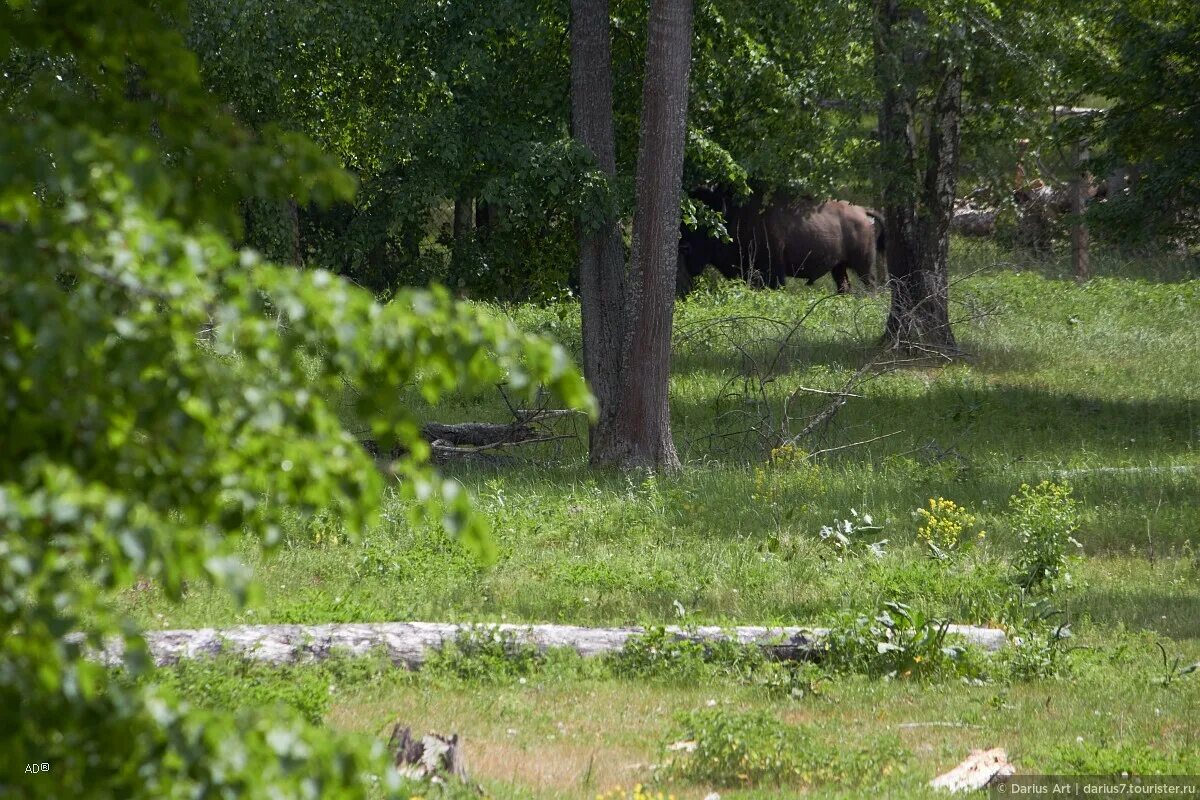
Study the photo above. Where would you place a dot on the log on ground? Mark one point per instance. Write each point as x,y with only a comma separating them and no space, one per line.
410,643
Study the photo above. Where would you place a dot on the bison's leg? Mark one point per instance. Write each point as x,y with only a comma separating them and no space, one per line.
842,278
868,278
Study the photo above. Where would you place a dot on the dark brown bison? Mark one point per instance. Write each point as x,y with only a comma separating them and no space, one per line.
785,239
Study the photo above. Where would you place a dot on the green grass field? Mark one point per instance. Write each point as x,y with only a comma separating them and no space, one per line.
1095,385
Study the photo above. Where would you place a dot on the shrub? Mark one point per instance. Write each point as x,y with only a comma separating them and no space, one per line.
726,748
485,654
1045,519
1037,647
660,655
845,535
786,482
663,655
732,749
899,642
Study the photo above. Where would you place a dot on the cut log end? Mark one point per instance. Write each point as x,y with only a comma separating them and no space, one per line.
981,769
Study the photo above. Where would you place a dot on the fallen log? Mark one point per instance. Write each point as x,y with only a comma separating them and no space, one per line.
1181,469
409,643
477,434
467,439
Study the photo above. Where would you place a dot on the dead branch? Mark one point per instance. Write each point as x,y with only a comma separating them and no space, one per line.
816,453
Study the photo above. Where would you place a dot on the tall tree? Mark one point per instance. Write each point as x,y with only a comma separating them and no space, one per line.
627,327
921,83
601,256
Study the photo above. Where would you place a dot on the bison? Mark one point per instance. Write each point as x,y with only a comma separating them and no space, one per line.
771,242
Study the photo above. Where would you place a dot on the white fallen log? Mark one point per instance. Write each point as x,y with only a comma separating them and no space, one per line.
982,769
1181,469
409,643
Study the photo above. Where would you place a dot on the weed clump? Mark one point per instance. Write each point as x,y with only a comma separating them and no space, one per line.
945,527
663,656
726,748
785,484
900,642
485,655
1045,519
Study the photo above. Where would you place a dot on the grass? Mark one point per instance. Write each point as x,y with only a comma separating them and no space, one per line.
575,729
1060,379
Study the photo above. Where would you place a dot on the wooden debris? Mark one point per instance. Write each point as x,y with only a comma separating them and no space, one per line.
981,769
409,643
466,439
433,757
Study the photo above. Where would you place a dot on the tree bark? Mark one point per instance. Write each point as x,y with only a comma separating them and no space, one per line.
464,228
919,180
643,423
627,316
1080,258
601,256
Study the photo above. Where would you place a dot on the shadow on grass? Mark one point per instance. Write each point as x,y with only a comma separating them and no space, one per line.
1108,260
1175,615
1017,423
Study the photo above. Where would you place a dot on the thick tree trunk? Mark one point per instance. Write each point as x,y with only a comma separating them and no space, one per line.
643,424
918,207
601,256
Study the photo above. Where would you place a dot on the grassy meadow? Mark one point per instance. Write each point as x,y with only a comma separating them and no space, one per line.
1095,385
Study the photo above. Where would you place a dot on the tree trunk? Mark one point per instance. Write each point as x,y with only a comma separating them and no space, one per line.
918,208
1080,258
601,256
464,226
627,317
643,423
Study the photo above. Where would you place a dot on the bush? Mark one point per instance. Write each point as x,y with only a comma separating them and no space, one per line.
1037,647
1044,518
899,642
725,748
660,654
487,655
732,749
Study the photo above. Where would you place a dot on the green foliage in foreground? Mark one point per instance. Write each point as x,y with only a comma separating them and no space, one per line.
161,396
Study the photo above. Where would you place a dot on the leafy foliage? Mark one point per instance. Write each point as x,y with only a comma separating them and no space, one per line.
1045,518
164,396
740,749
899,642
1149,66
486,654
